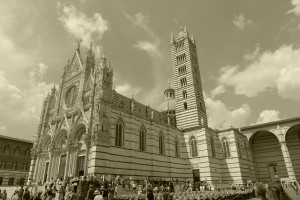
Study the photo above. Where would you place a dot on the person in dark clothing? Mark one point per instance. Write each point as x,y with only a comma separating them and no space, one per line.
26,194
150,195
103,192
90,193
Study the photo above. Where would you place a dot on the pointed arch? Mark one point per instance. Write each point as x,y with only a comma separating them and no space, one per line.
60,138
119,137
143,138
161,144
77,131
193,147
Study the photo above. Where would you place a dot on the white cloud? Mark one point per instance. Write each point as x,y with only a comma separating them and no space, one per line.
296,9
127,90
221,117
240,21
220,89
278,70
22,107
81,26
268,116
252,55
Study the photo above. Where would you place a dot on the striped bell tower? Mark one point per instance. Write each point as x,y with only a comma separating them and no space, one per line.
189,103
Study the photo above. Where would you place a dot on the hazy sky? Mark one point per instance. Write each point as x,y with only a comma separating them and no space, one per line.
248,50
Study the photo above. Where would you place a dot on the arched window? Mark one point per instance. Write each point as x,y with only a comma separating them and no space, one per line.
226,148
119,133
11,181
27,152
177,150
184,94
143,139
193,147
185,106
16,153
212,144
15,166
6,150
161,143
122,105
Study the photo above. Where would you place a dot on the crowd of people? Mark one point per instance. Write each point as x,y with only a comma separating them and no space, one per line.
92,188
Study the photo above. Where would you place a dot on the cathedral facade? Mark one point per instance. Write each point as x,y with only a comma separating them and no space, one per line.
86,127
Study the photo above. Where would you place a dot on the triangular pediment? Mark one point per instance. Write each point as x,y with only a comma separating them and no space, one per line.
75,66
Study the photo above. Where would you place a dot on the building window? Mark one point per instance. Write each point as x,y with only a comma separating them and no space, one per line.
193,147
182,70
185,106
179,46
122,105
184,94
1,180
15,166
226,148
161,144
177,150
183,82
17,149
11,181
181,58
212,144
119,133
6,150
27,152
3,165
143,139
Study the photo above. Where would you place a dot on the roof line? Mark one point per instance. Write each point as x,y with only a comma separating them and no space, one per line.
16,139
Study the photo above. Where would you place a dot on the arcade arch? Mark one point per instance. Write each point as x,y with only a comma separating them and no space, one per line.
268,156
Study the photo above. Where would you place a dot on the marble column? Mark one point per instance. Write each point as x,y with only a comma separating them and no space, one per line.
35,172
32,165
287,160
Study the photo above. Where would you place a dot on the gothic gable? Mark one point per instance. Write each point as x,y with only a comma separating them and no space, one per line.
75,66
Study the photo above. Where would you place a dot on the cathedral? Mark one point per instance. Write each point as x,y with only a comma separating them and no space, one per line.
86,127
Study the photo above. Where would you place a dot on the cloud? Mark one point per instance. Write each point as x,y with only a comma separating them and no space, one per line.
271,70
221,117
240,21
23,106
220,89
127,90
82,27
296,9
268,116
152,47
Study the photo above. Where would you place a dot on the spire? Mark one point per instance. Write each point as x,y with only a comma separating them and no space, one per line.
78,44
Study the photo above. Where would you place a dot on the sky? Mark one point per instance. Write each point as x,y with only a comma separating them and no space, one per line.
248,51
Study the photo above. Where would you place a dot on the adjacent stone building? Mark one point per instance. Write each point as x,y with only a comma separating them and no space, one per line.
15,160
86,127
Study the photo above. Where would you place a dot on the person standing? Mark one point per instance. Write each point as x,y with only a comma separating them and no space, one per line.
26,194
4,195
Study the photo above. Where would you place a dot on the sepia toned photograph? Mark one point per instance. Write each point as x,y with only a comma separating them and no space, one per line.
150,100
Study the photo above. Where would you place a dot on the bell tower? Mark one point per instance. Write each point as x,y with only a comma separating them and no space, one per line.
189,103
